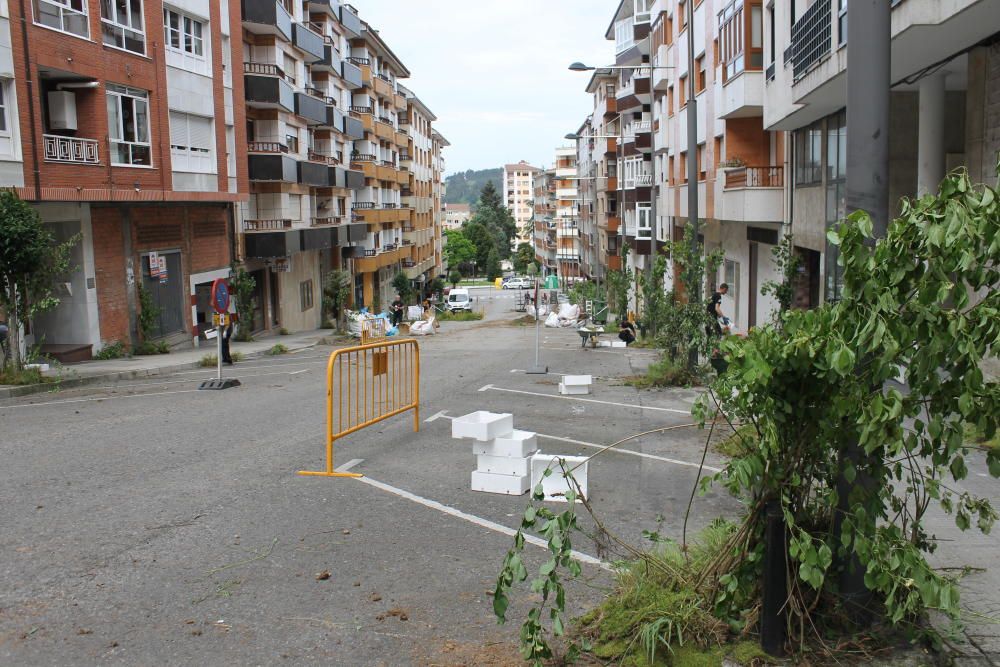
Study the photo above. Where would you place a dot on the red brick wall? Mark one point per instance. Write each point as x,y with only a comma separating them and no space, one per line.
746,139
109,274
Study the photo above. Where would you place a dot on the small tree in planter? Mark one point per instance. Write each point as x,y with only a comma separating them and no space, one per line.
336,292
454,278
401,283
241,286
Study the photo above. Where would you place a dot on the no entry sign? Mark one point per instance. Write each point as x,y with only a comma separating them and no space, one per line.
220,296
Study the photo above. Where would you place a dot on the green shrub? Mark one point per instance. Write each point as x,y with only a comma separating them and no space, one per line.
209,361
667,373
462,316
282,331
113,350
23,377
277,350
162,347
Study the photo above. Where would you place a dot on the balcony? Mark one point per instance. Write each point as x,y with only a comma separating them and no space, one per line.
614,222
273,167
612,147
742,96
266,147
354,128
351,74
268,91
329,7
610,106
70,150
812,39
614,262
384,129
751,194
330,61
327,221
314,174
401,139
380,258
313,110
267,17
308,42
349,19
266,225
334,118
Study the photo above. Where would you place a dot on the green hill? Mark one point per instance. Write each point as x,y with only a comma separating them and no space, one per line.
464,186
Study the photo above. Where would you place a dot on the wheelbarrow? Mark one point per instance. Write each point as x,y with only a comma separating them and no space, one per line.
591,335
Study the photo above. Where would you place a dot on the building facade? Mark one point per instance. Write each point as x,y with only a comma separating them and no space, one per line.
519,186
568,206
456,215
120,126
544,240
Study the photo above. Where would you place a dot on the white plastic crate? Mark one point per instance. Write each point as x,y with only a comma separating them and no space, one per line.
618,343
573,389
518,444
504,465
482,425
555,486
511,485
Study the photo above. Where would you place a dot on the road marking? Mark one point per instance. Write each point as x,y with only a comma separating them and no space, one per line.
207,377
629,451
99,398
490,387
465,516
437,416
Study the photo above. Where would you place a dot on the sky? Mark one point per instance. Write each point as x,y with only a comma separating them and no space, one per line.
495,71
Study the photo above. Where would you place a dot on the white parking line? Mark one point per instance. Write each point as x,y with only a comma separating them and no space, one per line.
465,516
629,451
207,377
97,398
490,387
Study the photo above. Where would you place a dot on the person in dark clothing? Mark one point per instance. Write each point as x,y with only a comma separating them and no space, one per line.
626,332
227,334
714,309
397,311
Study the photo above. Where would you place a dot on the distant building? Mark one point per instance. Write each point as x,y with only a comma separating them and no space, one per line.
455,215
519,185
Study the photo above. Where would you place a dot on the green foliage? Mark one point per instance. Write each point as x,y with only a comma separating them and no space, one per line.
739,442
493,265
23,376
283,331
583,291
436,286
463,316
787,262
816,386
531,269
209,361
458,250
149,348
31,263
113,350
277,350
667,372
377,302
146,319
401,283
454,278
491,227
619,284
974,436
241,287
523,257
658,304
464,187
336,293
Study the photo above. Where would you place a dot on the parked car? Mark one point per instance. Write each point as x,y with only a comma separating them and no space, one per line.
517,283
458,299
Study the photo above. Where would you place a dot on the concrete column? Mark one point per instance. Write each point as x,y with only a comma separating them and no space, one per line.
930,134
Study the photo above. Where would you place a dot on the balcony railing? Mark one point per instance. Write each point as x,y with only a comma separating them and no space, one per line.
327,221
360,109
266,225
71,149
266,147
363,157
359,61
267,69
385,78
643,180
362,205
811,38
319,157
755,177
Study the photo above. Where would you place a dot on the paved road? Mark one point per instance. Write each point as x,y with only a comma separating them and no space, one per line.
148,523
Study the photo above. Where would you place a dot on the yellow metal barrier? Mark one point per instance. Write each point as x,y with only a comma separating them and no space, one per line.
369,383
373,331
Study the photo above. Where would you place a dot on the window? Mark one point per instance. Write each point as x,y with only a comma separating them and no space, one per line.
808,154
699,81
306,295
64,15
841,22
731,276
3,108
701,162
682,92
191,143
128,126
836,197
184,39
122,25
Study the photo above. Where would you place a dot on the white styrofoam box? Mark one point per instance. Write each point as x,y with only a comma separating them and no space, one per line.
578,380
556,485
482,425
604,343
574,389
511,485
504,465
618,343
516,445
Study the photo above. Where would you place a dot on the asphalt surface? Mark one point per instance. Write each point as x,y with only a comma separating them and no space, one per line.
147,522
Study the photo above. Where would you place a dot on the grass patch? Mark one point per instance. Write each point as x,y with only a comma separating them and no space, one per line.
23,377
113,350
523,321
736,443
211,360
278,350
655,617
463,316
665,373
282,331
148,348
977,438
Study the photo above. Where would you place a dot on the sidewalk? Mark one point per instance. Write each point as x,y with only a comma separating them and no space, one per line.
90,372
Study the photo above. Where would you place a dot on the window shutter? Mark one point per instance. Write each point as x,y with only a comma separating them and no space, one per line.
178,129
200,132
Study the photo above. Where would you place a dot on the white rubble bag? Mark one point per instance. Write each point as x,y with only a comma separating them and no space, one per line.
423,327
552,321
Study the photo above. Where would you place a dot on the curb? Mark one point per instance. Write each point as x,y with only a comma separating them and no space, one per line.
138,373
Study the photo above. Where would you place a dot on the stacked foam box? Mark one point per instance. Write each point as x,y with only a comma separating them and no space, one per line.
503,454
575,385
555,485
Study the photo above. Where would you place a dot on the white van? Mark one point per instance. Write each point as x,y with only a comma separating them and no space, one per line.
458,299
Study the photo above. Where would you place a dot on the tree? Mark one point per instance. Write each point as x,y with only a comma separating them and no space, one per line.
31,263
493,265
458,249
241,286
401,283
336,292
524,256
489,197
454,278
482,239
495,217
532,269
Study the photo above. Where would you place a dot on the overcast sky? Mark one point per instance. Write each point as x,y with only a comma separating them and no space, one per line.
494,71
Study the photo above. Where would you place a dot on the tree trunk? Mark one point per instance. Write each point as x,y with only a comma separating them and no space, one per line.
14,330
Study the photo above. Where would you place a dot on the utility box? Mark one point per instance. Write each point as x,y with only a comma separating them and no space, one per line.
62,110
552,282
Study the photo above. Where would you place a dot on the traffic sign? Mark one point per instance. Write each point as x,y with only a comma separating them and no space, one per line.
220,296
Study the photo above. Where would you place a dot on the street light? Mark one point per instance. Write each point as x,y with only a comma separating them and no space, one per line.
580,67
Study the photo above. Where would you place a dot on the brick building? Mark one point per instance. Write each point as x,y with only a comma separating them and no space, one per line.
119,125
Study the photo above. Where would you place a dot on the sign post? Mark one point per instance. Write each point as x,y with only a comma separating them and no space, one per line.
537,369
220,304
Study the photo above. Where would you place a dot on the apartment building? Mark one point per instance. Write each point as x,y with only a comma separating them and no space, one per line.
456,215
544,240
118,123
569,246
518,184
597,163
944,108
340,162
438,191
